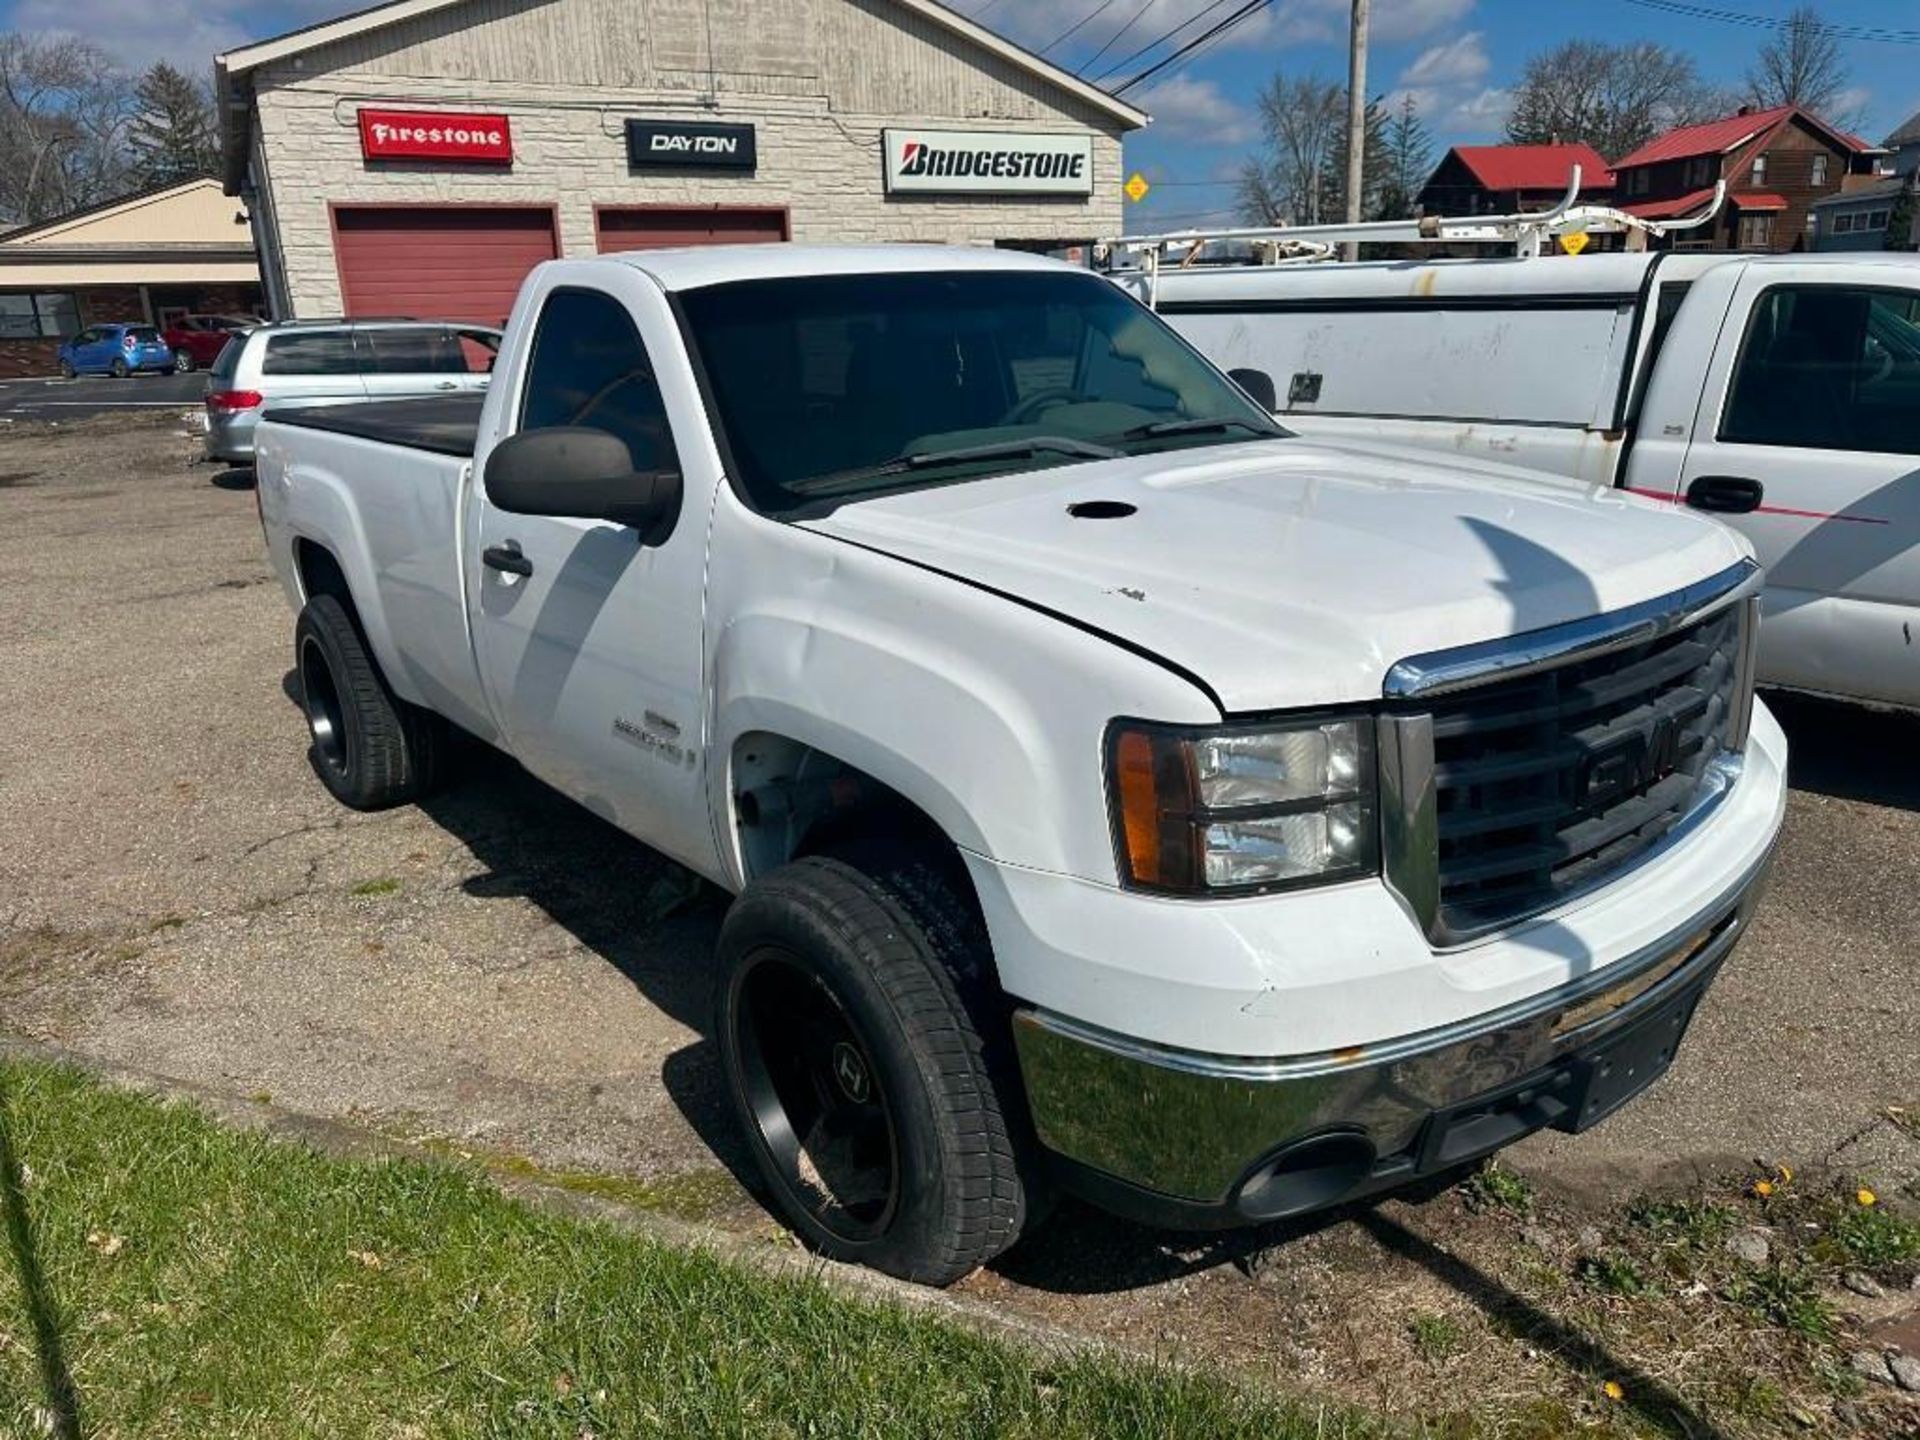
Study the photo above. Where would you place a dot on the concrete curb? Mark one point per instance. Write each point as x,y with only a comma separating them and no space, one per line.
341,1140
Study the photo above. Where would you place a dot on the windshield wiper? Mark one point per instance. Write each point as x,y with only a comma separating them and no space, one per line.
1199,426
930,459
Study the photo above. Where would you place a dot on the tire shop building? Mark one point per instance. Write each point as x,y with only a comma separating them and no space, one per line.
147,258
419,157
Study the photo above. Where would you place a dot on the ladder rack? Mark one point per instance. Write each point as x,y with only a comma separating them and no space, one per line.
1527,232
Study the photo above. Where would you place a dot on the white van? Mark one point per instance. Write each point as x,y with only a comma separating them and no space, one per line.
1781,393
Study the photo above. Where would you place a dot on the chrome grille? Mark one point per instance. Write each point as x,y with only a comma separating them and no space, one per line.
1509,794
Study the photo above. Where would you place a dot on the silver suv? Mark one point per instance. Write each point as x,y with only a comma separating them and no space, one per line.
333,362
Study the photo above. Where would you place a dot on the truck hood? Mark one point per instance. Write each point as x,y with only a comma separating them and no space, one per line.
1292,573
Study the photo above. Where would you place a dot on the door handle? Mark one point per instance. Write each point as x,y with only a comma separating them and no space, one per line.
448,385
506,556
1725,494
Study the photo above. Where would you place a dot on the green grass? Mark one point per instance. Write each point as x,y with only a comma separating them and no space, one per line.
207,1283
1436,1336
1868,1236
1496,1188
1615,1274
385,885
1787,1296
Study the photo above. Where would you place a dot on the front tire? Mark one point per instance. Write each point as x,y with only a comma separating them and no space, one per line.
67,372
182,363
848,1034
371,749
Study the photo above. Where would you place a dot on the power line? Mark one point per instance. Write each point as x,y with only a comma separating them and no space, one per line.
1113,39
1159,40
1250,8
1073,29
1876,33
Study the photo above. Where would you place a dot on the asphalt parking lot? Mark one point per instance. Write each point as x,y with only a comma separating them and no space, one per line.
497,970
86,396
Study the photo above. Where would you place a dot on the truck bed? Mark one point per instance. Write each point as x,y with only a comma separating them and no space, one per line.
442,424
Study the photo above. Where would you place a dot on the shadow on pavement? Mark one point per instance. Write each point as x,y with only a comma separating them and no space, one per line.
63,1400
1849,751
234,477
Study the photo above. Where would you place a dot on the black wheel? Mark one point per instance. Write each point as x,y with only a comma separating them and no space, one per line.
119,367
67,372
850,1016
370,748
182,363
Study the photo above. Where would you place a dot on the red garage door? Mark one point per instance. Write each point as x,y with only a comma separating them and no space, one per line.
651,227
454,262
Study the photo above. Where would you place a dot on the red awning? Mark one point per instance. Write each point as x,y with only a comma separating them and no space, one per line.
1758,200
1668,209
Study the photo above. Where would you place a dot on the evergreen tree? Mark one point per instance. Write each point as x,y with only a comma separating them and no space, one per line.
1900,221
1406,161
173,136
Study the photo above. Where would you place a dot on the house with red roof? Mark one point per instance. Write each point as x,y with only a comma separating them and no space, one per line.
1778,163
1505,179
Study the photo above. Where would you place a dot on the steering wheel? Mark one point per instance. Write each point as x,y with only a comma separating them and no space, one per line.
1023,411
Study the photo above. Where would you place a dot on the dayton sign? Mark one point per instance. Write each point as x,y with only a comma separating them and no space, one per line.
426,135
987,162
689,145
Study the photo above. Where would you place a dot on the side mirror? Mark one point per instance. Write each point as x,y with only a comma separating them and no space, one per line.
584,474
1259,387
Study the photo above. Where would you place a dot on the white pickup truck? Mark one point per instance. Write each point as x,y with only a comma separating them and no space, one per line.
1118,792
1780,393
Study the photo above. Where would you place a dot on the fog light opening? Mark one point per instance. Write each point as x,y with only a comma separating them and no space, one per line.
1309,1175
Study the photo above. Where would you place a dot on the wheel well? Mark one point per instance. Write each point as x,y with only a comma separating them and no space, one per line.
791,799
320,573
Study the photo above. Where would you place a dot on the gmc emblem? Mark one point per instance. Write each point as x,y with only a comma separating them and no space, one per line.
1631,765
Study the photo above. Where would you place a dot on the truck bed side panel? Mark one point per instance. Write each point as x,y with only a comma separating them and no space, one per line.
392,516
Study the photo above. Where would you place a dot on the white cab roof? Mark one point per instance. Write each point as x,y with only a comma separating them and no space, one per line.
695,266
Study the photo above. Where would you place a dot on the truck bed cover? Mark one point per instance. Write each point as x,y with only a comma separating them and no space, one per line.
443,424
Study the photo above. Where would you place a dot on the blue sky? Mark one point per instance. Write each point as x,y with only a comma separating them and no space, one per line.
1458,57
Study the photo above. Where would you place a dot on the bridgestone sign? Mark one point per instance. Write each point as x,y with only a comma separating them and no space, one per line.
987,162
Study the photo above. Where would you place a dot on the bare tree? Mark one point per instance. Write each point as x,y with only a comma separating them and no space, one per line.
64,109
1613,97
1800,65
1304,120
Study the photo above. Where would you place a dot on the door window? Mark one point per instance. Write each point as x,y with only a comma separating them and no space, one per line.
1829,367
415,350
590,368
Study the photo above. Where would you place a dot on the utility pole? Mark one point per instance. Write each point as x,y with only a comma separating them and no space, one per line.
1356,122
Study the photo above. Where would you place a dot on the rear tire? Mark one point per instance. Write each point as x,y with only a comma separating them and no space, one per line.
182,363
874,1109
370,748
119,367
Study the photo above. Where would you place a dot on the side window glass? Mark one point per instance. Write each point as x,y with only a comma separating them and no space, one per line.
415,351
1829,367
589,368
329,352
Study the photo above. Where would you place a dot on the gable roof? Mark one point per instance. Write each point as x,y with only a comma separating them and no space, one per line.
181,213
1730,132
1534,167
1907,134
235,63
1667,209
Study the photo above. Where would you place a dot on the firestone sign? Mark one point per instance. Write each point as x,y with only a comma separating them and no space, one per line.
987,162
432,135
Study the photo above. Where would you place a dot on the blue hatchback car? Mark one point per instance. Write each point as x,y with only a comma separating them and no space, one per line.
116,350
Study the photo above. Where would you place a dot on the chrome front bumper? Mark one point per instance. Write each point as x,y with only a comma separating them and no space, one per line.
1178,1137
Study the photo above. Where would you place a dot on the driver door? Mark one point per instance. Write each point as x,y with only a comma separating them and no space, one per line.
589,644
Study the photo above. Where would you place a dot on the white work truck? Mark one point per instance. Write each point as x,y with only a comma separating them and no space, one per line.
1779,393
1117,792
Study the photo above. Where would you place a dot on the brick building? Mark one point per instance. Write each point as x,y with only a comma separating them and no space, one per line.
1777,163
420,156
146,257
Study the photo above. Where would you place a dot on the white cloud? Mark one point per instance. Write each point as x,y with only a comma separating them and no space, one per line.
1453,62
189,33
1196,110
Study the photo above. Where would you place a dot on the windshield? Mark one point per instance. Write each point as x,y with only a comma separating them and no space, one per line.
837,388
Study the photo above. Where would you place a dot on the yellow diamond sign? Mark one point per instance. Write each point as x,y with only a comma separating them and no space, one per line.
1574,241
1137,187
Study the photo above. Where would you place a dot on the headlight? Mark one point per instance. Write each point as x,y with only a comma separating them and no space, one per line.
1243,808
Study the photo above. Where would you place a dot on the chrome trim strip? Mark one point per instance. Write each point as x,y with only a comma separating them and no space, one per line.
1441,672
1404,1047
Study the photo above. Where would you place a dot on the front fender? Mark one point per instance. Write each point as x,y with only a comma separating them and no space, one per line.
988,715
